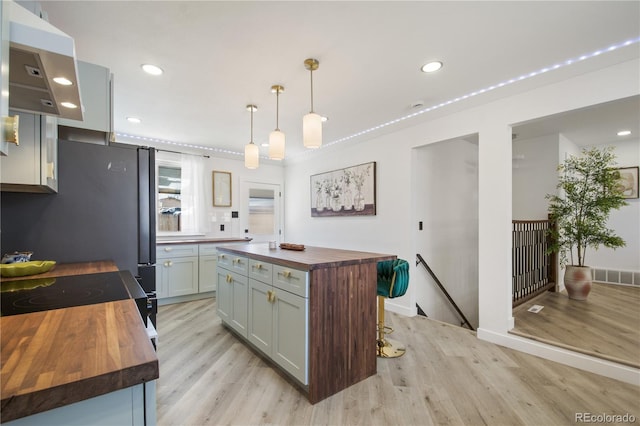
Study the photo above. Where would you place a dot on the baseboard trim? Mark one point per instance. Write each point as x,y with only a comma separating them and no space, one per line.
563,356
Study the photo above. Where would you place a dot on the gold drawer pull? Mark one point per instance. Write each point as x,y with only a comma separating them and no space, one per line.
168,263
271,296
229,278
287,274
258,266
222,256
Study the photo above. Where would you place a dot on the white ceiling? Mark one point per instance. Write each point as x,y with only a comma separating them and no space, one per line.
220,56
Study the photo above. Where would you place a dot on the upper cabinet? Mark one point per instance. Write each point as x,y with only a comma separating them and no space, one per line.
4,74
32,166
96,92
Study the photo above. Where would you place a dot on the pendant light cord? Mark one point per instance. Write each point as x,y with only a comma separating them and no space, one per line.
251,109
311,71
277,109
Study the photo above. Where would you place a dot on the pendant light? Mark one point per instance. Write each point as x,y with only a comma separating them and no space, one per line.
312,122
276,138
251,150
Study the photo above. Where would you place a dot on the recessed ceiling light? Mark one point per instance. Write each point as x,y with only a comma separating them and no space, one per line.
63,81
69,105
133,120
152,69
324,119
431,66
624,132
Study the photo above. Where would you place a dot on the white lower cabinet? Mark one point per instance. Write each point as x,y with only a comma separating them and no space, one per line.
277,320
231,298
178,276
186,270
123,407
277,326
207,276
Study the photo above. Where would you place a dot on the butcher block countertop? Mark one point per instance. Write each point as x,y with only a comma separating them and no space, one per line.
58,357
308,259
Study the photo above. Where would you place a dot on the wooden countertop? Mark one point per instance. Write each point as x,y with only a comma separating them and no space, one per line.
203,241
58,357
309,259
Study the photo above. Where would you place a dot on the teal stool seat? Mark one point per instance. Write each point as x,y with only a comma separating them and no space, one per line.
393,281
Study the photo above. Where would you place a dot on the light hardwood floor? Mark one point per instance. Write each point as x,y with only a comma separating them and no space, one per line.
447,377
606,325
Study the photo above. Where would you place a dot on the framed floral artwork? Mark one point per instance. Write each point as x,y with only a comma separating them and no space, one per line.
350,191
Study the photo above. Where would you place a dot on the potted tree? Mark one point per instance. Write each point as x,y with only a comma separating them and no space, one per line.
589,191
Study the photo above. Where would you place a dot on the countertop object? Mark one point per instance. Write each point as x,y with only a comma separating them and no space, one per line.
342,311
58,357
66,269
160,241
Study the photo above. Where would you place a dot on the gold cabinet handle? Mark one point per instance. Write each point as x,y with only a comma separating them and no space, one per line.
229,278
168,249
222,256
287,274
168,263
271,296
257,266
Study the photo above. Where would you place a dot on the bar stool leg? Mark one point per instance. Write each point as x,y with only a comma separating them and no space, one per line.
387,348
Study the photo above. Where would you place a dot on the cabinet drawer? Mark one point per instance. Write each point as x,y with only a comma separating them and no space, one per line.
233,262
291,280
208,249
261,271
167,251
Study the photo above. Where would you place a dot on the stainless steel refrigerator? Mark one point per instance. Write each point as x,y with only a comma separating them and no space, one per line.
104,210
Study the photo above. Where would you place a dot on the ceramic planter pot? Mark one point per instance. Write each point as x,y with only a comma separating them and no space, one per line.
577,281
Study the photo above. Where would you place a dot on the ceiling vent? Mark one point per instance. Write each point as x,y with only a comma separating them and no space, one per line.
38,53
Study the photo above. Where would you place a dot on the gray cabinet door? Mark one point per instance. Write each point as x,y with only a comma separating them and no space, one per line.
260,328
290,339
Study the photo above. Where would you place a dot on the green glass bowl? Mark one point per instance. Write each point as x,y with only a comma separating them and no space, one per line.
22,269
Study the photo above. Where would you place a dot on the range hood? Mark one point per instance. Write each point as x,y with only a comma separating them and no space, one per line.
38,54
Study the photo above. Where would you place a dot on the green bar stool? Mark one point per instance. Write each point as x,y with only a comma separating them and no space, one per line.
393,280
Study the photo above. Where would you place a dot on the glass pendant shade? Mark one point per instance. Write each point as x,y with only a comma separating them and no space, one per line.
251,156
312,130
276,145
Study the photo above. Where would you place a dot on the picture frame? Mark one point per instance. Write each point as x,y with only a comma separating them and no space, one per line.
350,191
628,181
221,189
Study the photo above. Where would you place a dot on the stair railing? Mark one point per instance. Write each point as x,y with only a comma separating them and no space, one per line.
444,290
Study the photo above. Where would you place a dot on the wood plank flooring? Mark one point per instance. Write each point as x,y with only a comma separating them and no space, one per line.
447,377
606,325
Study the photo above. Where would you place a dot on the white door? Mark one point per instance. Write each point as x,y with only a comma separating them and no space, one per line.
261,206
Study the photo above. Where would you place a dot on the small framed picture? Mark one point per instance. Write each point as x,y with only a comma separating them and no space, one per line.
221,189
628,181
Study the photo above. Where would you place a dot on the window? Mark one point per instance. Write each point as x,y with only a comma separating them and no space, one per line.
169,198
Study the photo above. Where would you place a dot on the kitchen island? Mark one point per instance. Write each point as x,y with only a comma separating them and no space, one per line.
89,364
311,312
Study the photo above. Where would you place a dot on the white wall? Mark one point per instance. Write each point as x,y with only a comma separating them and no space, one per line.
535,163
447,204
625,222
392,230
